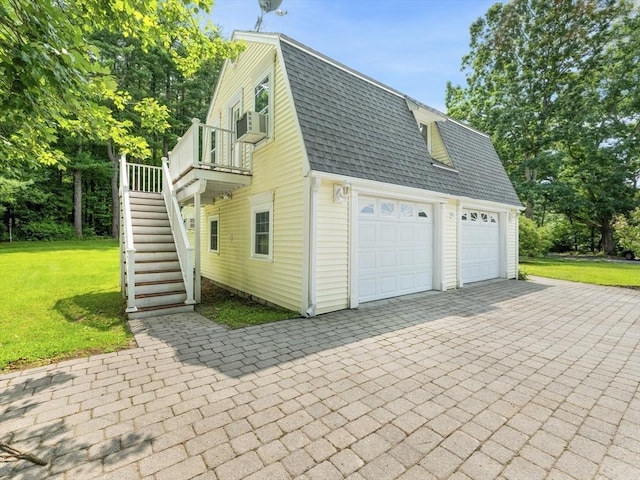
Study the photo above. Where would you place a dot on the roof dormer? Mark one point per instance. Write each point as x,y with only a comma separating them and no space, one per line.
427,119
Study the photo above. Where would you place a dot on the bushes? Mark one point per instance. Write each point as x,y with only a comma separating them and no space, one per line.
534,241
628,231
46,230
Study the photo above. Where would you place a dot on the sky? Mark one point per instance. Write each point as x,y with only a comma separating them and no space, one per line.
414,46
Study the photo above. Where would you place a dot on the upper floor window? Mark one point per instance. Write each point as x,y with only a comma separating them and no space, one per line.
262,93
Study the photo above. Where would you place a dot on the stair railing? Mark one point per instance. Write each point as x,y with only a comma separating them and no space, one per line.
145,178
186,253
128,249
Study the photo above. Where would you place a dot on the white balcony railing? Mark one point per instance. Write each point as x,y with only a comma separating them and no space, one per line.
209,147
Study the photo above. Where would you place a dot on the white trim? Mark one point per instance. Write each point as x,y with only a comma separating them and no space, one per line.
445,167
313,247
503,224
232,150
353,250
256,79
440,245
459,282
213,218
376,189
307,236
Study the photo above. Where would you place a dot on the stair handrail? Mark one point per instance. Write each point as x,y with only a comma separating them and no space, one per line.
127,238
186,253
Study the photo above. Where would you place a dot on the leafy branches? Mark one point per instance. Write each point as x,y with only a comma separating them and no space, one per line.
557,84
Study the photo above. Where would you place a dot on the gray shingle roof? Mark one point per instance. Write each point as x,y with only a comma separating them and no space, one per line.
355,127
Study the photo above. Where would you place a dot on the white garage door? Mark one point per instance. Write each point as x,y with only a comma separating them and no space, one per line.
480,246
395,248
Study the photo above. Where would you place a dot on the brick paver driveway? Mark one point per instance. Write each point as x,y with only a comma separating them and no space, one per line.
516,380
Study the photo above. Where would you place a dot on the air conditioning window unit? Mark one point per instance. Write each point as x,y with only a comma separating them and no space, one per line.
251,127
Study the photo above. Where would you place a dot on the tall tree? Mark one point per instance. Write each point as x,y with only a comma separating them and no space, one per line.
547,80
55,82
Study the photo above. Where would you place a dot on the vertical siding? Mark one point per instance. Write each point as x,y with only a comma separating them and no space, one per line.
451,245
277,166
332,251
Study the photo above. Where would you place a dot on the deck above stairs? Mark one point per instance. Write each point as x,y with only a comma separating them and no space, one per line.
159,285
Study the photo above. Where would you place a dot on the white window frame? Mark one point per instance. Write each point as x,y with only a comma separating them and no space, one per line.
266,73
213,218
232,150
260,204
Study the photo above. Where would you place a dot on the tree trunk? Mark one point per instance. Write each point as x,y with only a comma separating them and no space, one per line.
607,236
115,198
77,202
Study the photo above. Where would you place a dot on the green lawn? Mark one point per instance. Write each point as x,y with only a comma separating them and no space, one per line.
59,300
233,311
598,272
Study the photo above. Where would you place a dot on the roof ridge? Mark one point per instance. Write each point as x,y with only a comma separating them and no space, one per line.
352,71
340,65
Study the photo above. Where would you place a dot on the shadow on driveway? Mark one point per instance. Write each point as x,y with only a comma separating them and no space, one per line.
235,353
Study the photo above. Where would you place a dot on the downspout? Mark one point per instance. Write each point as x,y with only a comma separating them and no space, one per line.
197,291
459,281
313,238
517,245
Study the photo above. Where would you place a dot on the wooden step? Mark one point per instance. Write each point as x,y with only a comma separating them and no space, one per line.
151,257
158,275
139,214
171,309
152,230
147,195
153,266
144,207
144,247
157,300
152,238
159,288
150,222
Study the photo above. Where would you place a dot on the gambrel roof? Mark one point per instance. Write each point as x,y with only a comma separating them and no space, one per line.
355,126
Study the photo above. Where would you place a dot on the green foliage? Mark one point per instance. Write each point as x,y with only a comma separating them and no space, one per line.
569,236
59,300
135,76
234,311
47,230
558,88
597,272
55,79
534,241
628,231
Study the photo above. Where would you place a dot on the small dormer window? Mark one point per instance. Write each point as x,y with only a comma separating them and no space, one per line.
425,131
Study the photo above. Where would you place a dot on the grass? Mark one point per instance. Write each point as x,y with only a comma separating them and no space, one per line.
233,311
59,300
597,272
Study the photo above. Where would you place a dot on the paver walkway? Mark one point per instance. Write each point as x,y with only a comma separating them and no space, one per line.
514,380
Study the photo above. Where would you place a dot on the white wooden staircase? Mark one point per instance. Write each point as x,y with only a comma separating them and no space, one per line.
157,269
159,286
